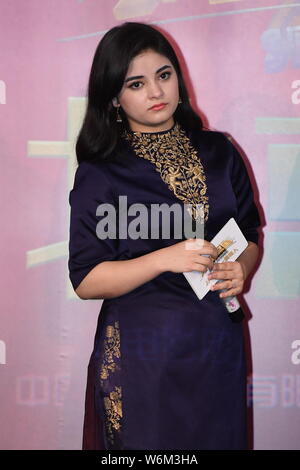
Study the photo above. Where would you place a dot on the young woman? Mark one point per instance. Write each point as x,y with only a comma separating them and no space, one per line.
167,370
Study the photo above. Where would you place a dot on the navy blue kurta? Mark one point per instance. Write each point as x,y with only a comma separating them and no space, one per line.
167,370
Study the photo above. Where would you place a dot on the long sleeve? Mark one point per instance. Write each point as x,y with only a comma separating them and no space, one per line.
86,249
247,214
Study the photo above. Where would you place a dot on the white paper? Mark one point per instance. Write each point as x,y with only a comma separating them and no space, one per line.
231,242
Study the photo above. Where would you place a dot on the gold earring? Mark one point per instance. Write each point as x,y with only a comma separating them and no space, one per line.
179,102
119,119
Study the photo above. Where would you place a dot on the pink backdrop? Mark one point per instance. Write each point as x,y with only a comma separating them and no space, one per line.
243,58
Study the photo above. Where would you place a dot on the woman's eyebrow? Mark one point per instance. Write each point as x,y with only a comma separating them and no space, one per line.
142,76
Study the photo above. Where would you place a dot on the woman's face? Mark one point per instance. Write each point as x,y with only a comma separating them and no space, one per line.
151,80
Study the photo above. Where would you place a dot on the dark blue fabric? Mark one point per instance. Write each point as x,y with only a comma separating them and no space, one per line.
182,363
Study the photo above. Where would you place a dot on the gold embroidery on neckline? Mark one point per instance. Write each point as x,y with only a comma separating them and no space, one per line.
178,163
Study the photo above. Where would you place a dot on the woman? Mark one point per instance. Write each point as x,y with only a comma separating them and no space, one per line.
167,370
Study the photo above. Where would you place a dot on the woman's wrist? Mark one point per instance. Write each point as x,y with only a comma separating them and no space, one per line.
156,259
244,269
248,259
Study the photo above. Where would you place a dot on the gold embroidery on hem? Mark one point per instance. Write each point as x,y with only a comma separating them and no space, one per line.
112,399
113,408
111,351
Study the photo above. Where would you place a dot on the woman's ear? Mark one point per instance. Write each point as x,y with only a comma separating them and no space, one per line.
115,102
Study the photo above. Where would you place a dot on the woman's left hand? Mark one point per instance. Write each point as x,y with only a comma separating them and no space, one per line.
233,277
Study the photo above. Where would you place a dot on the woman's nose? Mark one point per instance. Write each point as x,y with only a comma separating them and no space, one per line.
155,90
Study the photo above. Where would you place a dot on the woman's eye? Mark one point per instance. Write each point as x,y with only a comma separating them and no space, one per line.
165,75
135,85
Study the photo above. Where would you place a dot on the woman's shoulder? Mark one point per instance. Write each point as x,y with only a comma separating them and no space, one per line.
90,180
218,146
210,136
92,169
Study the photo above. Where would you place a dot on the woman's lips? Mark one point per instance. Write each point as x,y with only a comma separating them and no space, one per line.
158,107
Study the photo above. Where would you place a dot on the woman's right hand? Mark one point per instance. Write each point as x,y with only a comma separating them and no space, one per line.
187,255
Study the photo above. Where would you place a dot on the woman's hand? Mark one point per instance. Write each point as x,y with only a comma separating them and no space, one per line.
233,276
187,255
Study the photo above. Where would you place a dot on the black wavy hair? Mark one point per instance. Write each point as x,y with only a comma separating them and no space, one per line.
100,134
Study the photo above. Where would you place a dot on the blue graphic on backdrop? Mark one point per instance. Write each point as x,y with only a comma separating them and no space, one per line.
282,44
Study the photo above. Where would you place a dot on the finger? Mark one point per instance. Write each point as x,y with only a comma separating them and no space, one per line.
216,267
206,247
210,261
205,242
232,291
204,260
221,267
224,285
217,274
214,252
227,266
211,250
228,293
208,253
220,286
